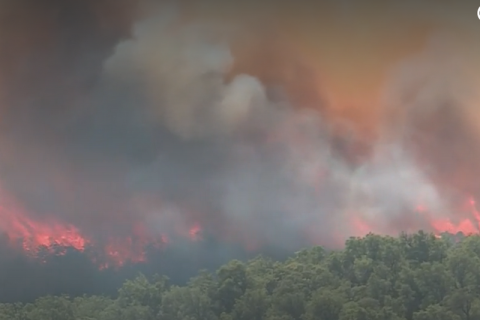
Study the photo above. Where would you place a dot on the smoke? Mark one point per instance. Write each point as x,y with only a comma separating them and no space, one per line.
432,113
262,128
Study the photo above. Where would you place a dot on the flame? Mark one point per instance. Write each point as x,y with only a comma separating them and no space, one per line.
55,238
469,225
33,235
195,232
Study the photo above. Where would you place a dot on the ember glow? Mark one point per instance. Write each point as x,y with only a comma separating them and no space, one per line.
132,126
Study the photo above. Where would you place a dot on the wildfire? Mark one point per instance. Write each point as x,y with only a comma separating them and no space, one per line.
55,238
194,232
469,225
34,235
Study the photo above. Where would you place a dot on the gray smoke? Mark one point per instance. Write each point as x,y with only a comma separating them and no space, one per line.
118,129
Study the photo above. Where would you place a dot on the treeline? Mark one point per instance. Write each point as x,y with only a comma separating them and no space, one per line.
411,277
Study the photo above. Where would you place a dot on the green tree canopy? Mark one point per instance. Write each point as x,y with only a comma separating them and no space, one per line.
411,277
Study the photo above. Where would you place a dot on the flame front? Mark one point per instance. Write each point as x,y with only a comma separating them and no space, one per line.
55,238
33,234
467,226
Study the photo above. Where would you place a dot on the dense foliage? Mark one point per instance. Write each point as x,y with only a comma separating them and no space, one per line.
412,277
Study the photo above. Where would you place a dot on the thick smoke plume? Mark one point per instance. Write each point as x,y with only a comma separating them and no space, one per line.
125,123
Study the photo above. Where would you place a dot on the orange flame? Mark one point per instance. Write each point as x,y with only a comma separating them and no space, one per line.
195,232
470,225
33,236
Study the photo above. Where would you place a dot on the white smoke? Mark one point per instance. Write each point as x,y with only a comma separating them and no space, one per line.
289,179
184,71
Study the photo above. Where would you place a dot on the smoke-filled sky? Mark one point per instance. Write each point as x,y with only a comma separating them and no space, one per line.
260,123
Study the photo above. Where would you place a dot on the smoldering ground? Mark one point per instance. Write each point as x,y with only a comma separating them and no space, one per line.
255,122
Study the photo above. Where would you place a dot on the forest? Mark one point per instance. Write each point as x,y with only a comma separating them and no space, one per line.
416,276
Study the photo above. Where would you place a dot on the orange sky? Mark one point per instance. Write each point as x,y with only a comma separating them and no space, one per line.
349,47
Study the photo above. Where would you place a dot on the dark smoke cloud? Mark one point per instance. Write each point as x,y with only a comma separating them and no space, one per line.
98,123
51,60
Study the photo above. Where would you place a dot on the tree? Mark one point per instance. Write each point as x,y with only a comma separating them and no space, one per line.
412,277
324,305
